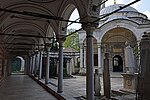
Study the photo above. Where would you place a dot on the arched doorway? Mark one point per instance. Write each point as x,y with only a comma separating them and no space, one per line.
117,63
18,65
113,42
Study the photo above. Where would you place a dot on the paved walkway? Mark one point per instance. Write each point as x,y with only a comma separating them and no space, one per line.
76,87
21,87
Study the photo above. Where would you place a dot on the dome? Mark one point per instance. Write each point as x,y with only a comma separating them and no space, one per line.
112,8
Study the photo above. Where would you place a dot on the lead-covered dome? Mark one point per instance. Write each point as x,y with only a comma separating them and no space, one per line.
114,7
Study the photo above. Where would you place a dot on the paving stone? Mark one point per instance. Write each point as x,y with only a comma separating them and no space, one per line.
21,87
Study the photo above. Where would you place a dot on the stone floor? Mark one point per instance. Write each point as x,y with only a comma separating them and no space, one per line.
21,87
75,88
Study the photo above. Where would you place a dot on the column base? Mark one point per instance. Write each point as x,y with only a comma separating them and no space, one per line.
59,91
46,82
82,71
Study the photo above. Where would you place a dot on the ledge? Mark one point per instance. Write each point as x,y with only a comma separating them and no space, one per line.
58,96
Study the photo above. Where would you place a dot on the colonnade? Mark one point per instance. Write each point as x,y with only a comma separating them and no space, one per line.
86,61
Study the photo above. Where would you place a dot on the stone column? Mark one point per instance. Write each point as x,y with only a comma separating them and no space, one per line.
33,64
81,58
89,62
138,44
47,64
40,65
106,77
99,57
36,64
60,67
26,68
69,69
84,57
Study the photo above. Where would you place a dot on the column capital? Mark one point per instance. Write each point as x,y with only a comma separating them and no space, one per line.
41,49
81,45
89,26
99,45
61,38
47,46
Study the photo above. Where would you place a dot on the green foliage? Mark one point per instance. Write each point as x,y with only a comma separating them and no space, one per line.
72,41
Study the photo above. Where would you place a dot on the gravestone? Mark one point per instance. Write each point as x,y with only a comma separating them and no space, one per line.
130,75
106,77
97,86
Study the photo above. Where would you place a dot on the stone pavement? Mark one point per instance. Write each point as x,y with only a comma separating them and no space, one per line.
75,88
21,87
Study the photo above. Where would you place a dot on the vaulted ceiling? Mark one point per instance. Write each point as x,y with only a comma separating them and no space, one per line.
24,24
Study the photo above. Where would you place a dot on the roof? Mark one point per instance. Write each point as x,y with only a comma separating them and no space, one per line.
114,7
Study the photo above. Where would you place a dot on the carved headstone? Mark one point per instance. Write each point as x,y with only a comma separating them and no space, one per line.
129,77
130,62
106,77
97,86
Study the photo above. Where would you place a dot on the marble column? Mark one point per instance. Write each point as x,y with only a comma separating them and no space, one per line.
99,58
36,63
89,62
81,58
40,65
60,67
69,69
138,52
47,66
33,64
84,57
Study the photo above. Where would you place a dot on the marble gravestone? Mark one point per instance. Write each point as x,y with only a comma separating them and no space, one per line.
97,86
106,77
130,75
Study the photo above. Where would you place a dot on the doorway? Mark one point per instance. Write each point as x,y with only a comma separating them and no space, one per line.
117,63
18,65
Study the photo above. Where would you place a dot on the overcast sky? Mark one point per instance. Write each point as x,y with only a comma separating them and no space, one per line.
142,6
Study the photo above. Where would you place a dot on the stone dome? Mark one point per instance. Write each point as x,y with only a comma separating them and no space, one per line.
114,7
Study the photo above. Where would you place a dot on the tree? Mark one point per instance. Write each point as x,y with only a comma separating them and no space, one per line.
72,41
